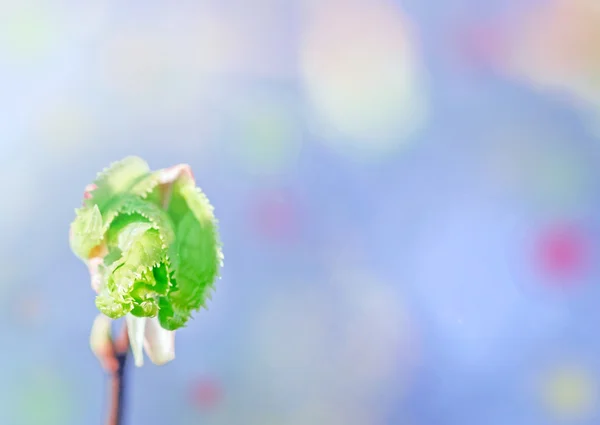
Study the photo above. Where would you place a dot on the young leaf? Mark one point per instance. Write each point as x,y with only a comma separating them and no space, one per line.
117,179
132,205
196,255
155,242
86,231
131,279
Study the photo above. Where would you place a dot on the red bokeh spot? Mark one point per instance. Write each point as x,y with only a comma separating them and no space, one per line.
275,217
205,393
28,310
480,46
563,253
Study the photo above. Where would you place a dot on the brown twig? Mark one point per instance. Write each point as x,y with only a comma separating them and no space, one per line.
114,364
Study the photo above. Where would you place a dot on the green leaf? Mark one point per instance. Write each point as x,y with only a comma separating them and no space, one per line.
117,179
145,308
162,282
131,280
170,317
147,291
142,210
144,185
111,305
86,231
196,256
138,272
163,252
114,253
198,260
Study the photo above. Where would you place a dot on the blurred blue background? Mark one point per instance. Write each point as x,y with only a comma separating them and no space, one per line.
407,192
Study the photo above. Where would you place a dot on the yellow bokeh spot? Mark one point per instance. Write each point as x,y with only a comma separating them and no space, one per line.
551,177
64,127
27,31
569,392
136,63
43,398
365,88
269,139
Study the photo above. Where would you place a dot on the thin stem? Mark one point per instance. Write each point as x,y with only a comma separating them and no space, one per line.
117,379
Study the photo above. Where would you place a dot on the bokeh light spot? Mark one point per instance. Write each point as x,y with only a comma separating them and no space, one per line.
267,136
480,45
539,168
276,216
43,399
364,87
28,310
377,328
64,127
569,392
27,30
135,64
205,393
572,28
559,177
562,253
